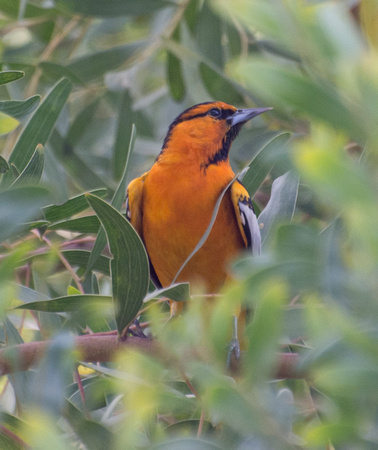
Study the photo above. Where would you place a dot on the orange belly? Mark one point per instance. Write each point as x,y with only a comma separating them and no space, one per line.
179,212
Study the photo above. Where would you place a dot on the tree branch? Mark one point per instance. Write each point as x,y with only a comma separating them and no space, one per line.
102,348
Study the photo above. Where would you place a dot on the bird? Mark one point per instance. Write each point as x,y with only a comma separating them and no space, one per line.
171,205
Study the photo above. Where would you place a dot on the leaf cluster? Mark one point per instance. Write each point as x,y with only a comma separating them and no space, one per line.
87,91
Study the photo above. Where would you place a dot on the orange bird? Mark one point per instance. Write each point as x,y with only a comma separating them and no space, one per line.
171,205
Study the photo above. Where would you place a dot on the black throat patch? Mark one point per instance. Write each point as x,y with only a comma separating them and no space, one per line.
223,152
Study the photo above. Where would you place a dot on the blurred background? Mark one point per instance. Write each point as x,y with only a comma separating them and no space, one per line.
87,91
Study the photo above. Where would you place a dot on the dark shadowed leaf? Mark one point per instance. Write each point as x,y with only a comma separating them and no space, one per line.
129,266
4,167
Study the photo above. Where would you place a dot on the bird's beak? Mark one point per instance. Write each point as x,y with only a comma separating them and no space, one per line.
243,115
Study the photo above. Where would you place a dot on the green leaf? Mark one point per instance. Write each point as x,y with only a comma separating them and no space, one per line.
39,127
67,303
79,170
33,171
77,258
4,167
282,203
264,161
117,201
53,374
286,88
123,135
90,67
112,8
175,77
129,266
10,75
81,122
219,86
177,292
186,444
56,71
20,109
264,331
19,205
209,37
87,224
13,9
7,123
75,205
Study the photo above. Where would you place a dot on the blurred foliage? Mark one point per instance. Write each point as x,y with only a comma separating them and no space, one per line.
77,76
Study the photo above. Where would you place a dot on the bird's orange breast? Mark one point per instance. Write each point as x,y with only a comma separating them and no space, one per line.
180,201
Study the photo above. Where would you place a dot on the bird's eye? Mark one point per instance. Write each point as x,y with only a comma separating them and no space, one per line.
215,112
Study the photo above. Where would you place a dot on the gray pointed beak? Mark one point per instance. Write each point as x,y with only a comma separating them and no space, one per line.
243,115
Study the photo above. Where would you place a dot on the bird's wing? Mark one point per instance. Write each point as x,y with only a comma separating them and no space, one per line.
134,202
246,217
134,213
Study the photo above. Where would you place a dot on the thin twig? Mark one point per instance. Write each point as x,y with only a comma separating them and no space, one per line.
52,45
66,265
200,424
82,393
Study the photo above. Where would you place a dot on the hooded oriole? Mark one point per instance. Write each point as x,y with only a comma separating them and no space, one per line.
171,205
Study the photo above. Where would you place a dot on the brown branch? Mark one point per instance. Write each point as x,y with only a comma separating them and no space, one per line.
102,348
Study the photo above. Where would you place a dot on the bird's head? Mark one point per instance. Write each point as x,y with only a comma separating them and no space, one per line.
205,132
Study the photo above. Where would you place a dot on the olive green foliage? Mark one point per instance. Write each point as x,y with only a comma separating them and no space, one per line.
88,90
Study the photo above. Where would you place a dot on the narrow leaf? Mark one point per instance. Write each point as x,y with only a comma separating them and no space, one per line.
33,171
38,129
129,266
90,67
87,224
19,109
4,167
77,258
10,75
175,77
75,205
282,203
112,8
177,292
18,206
123,136
218,86
67,304
263,162
117,201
